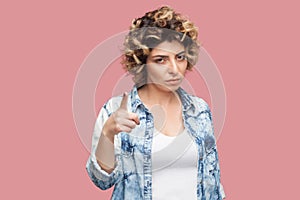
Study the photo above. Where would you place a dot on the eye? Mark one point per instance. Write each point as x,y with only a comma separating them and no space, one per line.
160,60
181,57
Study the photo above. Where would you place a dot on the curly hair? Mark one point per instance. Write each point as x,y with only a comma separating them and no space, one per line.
155,27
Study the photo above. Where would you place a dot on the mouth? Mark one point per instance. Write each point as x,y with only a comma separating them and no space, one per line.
174,81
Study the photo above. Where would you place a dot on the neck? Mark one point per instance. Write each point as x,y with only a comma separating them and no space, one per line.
152,94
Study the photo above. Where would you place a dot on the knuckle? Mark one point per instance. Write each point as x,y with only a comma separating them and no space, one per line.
133,125
118,128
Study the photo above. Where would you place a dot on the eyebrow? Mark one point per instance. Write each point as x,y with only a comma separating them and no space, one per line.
163,56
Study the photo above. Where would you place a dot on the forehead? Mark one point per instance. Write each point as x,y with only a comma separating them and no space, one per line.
173,47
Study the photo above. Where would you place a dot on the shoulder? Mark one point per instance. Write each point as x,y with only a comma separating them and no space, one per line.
189,100
112,104
113,101
200,104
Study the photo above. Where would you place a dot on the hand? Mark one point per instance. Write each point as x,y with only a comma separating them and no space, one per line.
121,120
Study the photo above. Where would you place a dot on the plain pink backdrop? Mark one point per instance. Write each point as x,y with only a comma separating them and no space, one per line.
255,45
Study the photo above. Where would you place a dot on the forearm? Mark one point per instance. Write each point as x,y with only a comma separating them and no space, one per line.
105,153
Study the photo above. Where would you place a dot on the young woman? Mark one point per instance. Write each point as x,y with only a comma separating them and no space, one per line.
157,141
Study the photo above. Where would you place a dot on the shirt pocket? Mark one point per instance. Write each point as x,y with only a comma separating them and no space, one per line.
211,156
127,148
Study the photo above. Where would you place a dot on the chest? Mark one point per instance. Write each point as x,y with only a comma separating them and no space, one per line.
167,120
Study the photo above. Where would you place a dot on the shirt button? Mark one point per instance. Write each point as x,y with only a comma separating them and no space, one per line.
201,157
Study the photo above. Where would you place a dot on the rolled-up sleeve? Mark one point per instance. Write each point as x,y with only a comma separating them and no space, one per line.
222,191
101,178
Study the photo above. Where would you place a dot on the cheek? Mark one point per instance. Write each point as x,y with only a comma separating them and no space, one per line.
156,71
183,69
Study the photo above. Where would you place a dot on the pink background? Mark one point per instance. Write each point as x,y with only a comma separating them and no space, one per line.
255,45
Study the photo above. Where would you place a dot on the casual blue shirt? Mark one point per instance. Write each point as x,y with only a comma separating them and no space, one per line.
132,177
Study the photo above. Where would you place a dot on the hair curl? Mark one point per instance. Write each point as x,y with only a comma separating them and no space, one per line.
152,29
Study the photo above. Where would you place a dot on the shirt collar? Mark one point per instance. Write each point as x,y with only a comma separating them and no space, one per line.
135,99
185,98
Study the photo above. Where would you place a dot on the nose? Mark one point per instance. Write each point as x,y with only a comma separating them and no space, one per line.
173,66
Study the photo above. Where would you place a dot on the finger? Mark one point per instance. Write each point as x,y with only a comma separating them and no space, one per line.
127,122
135,118
123,104
124,128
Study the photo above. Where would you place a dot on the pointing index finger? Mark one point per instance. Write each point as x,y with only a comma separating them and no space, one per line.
123,104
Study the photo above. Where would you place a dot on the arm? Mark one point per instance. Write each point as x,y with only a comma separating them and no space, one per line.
105,152
103,165
212,159
101,173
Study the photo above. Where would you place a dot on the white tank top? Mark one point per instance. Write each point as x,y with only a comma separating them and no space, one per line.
174,167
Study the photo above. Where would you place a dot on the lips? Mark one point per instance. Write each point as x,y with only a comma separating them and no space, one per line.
176,79
173,81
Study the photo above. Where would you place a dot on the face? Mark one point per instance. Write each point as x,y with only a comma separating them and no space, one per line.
166,65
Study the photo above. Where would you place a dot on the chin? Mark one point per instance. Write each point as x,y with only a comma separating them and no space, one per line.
170,88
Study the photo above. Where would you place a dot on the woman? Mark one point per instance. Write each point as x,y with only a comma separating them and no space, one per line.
157,142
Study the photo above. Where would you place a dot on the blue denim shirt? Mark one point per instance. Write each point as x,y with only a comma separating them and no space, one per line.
132,177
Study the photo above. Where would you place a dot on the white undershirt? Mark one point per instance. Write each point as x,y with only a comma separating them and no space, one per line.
174,167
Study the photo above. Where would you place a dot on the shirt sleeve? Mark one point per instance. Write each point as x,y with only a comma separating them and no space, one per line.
212,172
101,178
222,191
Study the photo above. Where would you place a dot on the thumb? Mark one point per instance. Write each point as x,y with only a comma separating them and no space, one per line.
135,118
123,104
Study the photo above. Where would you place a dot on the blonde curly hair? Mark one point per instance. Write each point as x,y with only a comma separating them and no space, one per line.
155,27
